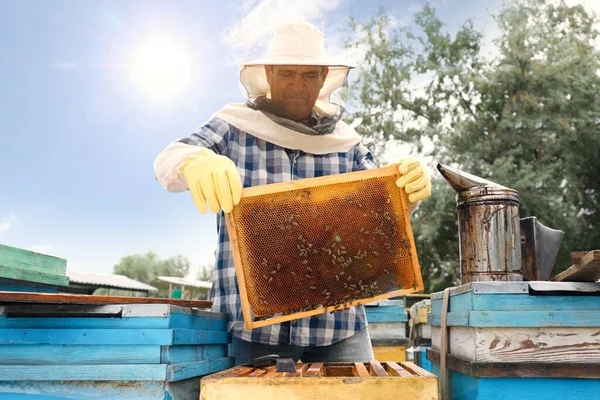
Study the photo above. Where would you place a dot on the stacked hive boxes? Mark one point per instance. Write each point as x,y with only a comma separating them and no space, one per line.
387,328
136,351
509,340
27,271
420,332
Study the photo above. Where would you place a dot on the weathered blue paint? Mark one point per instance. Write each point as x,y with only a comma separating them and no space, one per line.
176,372
386,314
186,354
10,285
116,372
80,354
520,319
112,336
466,387
515,302
188,389
421,358
177,321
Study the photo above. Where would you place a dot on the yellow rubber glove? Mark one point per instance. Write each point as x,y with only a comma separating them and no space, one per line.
414,179
212,179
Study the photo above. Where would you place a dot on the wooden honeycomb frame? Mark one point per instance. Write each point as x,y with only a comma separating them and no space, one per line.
387,205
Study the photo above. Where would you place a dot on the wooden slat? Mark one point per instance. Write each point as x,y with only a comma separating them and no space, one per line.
576,256
241,371
258,372
588,270
518,370
28,275
315,369
272,371
360,370
375,369
396,370
300,368
322,310
17,297
20,258
415,369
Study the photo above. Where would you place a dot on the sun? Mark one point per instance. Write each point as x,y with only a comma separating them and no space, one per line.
161,68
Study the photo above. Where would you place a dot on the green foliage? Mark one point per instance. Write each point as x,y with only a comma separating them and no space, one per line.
527,118
205,273
146,267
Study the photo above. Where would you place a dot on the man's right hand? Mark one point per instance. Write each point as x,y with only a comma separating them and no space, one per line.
212,179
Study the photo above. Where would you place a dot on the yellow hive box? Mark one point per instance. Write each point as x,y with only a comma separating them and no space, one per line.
318,381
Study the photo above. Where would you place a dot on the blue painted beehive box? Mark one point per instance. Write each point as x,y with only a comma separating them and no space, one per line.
509,340
387,322
143,351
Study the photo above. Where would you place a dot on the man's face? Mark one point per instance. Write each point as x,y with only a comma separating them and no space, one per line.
296,87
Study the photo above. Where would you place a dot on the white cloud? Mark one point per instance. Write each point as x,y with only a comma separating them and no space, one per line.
6,223
248,36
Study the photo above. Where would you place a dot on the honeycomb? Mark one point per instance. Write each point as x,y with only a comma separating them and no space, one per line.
324,245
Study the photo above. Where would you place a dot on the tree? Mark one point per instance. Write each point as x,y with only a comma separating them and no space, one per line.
146,267
527,118
205,273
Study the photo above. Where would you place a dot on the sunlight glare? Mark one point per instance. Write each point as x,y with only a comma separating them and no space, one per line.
161,68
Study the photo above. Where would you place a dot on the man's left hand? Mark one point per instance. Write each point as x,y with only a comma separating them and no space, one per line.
414,179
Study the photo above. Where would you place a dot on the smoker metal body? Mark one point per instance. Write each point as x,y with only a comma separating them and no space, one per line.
489,234
489,229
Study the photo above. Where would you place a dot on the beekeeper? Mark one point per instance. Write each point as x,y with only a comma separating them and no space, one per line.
286,130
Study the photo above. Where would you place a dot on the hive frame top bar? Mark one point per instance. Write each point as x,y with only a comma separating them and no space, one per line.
323,180
274,188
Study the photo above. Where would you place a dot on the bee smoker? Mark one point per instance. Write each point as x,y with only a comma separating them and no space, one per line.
495,245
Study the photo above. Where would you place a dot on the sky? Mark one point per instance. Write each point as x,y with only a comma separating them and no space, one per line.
91,91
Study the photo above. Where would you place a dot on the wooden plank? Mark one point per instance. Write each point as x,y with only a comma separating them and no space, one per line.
15,297
383,317
551,345
123,372
22,274
322,310
11,285
396,370
375,369
518,370
122,390
258,372
20,258
239,371
416,370
192,353
167,322
272,372
111,336
576,256
360,370
588,270
525,319
300,369
79,354
177,372
315,369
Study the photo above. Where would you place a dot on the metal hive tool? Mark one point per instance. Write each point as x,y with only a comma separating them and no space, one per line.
319,245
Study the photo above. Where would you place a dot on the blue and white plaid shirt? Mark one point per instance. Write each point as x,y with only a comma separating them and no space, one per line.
260,163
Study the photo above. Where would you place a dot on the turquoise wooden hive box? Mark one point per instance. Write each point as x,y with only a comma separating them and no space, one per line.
519,340
134,351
